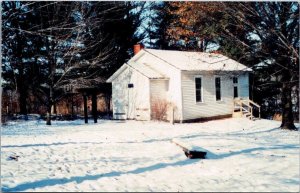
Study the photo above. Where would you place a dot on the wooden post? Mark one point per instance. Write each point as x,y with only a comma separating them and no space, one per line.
72,105
241,110
107,99
172,115
94,107
85,108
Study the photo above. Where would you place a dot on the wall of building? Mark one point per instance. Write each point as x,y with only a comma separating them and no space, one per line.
174,96
210,106
131,103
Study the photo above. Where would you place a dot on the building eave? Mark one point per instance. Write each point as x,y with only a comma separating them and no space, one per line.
116,74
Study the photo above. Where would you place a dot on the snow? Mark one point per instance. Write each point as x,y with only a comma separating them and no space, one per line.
243,155
197,61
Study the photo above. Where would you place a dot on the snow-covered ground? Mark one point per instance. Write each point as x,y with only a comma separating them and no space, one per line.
243,155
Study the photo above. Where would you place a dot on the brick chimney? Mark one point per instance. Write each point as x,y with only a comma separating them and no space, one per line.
137,47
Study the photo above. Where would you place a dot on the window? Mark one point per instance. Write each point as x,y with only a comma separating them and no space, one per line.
235,87
218,88
235,92
235,80
198,89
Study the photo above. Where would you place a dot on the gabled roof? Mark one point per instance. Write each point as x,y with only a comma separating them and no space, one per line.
116,74
144,69
182,60
197,61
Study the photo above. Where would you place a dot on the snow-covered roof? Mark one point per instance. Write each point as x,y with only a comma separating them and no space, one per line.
182,60
197,61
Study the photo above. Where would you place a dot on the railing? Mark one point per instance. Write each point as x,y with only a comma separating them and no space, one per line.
257,105
246,102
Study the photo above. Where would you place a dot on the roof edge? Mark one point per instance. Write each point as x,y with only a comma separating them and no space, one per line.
116,74
123,67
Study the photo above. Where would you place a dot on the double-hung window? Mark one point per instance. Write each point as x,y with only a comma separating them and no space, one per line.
218,88
198,89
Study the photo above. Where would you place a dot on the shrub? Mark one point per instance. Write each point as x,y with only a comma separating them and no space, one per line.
159,109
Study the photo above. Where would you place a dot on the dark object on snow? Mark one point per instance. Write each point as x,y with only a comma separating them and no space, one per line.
195,154
13,157
192,154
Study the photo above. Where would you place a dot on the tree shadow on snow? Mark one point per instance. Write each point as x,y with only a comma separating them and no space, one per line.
80,179
246,132
211,155
50,144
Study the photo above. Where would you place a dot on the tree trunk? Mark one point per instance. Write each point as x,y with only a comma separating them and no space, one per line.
54,109
94,107
85,108
287,112
48,116
107,101
23,101
21,77
23,91
72,105
48,122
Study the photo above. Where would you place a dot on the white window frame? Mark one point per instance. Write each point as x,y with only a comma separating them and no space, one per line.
195,95
221,93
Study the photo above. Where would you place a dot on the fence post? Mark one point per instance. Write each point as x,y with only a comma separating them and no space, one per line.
172,115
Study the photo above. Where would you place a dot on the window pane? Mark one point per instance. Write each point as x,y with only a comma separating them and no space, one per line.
198,83
198,89
235,91
235,80
218,82
218,88
198,96
218,95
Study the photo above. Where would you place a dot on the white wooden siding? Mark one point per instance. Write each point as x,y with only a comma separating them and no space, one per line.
243,85
159,89
158,92
131,103
141,97
119,95
174,95
209,107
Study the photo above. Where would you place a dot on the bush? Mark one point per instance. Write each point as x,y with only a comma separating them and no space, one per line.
159,110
